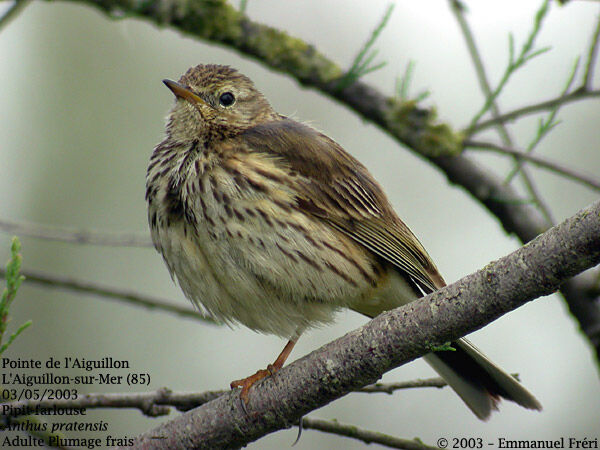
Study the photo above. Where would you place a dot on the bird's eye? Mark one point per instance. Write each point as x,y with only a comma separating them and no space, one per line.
226,99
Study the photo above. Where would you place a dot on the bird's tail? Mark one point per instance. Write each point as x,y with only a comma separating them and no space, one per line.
478,381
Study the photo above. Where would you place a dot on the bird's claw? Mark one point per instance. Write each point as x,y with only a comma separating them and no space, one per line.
248,382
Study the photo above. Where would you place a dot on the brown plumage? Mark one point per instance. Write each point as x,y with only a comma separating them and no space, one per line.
267,222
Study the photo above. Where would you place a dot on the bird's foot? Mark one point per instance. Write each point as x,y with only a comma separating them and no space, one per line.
248,382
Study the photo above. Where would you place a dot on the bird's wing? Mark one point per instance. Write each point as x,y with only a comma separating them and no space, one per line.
335,187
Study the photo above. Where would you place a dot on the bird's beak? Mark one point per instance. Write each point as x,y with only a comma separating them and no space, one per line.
184,93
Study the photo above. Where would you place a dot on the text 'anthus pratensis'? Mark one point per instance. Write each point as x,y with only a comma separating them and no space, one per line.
267,222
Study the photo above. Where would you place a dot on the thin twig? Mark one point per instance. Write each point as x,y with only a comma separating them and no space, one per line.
491,96
389,388
13,281
457,9
592,55
72,235
153,404
527,53
536,197
578,94
402,87
545,125
87,287
12,12
366,436
362,62
540,161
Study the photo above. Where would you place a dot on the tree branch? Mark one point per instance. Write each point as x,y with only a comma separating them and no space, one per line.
458,10
390,388
539,161
592,56
88,287
71,235
13,11
366,436
157,403
388,341
576,95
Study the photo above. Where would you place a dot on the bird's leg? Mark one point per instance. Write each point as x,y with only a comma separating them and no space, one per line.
248,382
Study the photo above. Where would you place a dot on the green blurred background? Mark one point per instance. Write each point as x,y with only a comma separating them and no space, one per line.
82,105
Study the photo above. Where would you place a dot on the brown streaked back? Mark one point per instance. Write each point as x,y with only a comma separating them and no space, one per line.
335,187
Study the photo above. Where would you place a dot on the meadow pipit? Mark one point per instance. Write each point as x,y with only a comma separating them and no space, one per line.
267,222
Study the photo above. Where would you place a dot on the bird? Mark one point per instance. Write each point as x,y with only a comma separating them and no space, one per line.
266,222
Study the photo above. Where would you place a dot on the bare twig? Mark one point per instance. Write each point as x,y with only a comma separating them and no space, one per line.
544,128
540,161
592,56
87,287
527,53
362,63
75,236
576,95
536,197
545,125
490,95
391,339
13,11
586,286
390,388
458,9
366,436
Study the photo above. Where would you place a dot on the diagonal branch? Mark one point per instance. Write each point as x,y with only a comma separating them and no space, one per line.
13,11
540,161
390,388
88,287
366,436
457,9
576,95
74,236
388,341
592,57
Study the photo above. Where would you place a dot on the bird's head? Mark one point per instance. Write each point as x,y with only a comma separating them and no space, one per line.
215,101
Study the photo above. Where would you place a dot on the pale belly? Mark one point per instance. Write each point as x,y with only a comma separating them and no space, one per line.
239,264
251,281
